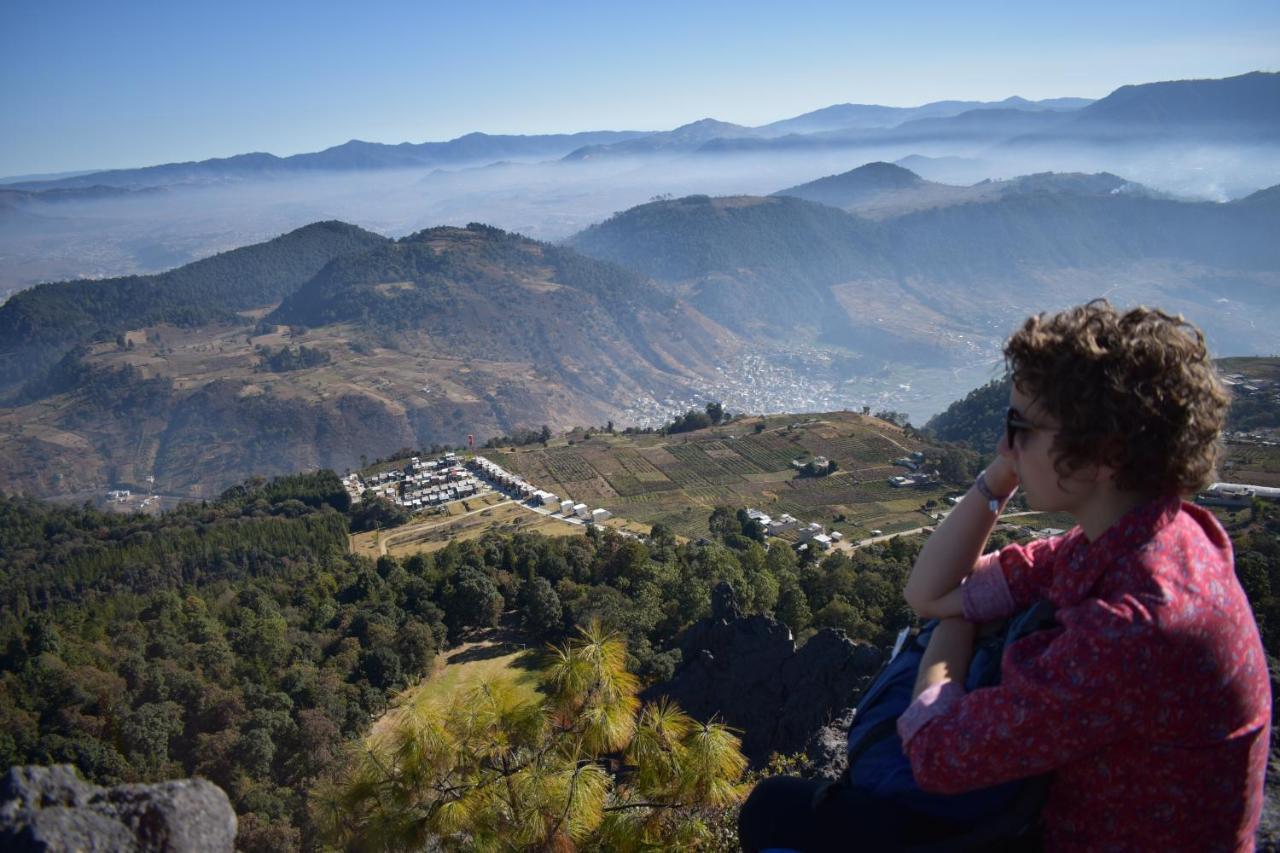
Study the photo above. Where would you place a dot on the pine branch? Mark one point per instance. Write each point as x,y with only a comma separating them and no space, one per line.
625,806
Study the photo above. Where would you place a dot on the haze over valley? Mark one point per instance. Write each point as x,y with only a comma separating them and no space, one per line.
421,293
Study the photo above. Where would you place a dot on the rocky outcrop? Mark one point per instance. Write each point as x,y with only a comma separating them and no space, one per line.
747,671
1269,828
52,808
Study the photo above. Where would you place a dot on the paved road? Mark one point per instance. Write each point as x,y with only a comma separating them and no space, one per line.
853,546
400,532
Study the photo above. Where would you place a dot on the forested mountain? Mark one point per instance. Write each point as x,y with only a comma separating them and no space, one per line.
1016,247
758,265
977,420
448,332
485,293
887,190
38,326
857,185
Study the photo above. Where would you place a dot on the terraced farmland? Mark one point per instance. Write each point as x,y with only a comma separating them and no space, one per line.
679,479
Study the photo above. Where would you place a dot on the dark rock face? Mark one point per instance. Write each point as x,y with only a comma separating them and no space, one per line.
747,671
52,808
1268,837
828,748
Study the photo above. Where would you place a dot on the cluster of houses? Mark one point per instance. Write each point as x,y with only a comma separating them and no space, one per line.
820,464
1242,385
517,486
419,484
811,533
913,462
1247,388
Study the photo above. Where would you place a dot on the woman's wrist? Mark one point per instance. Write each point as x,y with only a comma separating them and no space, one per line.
1000,478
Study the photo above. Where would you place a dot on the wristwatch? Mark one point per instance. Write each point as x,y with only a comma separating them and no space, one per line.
994,501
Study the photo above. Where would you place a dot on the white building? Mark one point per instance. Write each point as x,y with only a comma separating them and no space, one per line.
810,530
581,510
783,522
599,515
1236,494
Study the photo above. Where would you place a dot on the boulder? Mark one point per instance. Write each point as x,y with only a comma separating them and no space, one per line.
52,808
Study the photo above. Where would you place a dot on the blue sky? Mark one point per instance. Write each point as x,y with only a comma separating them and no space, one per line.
115,84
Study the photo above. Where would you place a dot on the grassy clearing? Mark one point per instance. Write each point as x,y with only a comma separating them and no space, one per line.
467,667
505,516
472,665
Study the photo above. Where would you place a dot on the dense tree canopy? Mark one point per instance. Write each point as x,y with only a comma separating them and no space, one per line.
239,639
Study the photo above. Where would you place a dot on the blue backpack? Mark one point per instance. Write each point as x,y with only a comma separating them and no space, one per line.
878,765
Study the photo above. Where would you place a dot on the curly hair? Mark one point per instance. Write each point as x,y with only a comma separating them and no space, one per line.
1134,391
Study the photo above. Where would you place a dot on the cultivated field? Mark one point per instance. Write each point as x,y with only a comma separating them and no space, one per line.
678,479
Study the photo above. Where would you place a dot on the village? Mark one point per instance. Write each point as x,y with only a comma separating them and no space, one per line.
422,485
803,379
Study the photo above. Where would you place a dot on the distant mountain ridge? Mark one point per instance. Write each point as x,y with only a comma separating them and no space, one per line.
886,190
1248,101
476,148
1244,106
352,155
850,116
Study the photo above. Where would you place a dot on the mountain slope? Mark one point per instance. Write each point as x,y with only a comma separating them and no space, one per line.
39,325
856,185
923,286
448,332
464,291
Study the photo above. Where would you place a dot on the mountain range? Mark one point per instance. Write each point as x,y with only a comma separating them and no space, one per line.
1202,139
331,342
1244,107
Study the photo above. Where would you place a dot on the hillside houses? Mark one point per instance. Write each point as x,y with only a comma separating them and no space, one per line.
418,485
900,482
773,526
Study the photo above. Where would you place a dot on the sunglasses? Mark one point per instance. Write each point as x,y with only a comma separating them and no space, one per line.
1015,422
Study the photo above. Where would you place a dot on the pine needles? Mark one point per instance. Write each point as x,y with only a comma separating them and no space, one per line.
585,768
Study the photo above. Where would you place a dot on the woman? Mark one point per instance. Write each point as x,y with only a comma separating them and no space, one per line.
1149,705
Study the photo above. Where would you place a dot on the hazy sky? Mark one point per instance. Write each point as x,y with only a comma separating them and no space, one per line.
88,85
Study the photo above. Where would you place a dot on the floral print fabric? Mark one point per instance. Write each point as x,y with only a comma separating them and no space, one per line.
1149,705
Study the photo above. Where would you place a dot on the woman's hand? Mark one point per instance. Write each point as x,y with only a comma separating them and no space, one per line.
1002,475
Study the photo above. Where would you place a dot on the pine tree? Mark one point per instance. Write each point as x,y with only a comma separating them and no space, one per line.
494,771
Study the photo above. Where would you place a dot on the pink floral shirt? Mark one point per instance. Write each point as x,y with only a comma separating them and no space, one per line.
1150,704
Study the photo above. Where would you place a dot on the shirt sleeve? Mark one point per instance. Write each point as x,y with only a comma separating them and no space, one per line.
1064,694
985,593
1028,570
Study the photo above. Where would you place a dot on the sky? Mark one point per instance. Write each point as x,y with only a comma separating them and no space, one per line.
97,85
